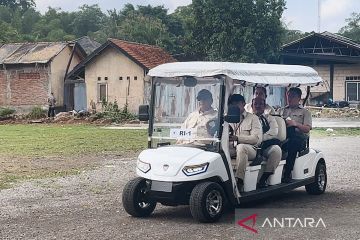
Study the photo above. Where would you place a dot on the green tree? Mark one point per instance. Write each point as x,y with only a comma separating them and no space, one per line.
7,33
88,19
28,20
22,5
232,30
144,29
352,29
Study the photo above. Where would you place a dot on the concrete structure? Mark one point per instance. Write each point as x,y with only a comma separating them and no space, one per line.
116,72
29,72
337,60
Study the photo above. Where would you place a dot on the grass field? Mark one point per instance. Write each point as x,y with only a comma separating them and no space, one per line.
38,151
55,140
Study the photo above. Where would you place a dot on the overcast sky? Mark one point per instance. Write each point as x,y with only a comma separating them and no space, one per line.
300,14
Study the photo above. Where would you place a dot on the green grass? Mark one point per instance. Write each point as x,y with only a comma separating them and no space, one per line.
47,151
321,132
57,140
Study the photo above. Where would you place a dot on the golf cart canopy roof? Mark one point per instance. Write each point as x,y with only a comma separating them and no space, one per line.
249,73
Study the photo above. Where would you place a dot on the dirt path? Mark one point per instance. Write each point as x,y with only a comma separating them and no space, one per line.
88,205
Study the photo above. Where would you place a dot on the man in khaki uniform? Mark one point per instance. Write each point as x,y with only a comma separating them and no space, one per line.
203,117
247,134
271,151
299,123
260,92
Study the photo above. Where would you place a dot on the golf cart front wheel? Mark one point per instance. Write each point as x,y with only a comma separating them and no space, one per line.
207,202
319,186
135,198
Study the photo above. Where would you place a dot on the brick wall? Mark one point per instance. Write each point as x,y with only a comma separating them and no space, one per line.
2,88
24,87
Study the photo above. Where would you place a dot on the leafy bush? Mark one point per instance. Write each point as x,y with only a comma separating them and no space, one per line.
114,113
36,113
6,112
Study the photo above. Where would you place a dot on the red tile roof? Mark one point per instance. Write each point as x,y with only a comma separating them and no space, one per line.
148,55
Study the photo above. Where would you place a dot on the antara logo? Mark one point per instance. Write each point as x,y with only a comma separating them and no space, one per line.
253,218
282,223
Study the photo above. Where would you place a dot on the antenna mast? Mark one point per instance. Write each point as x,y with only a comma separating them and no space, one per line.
319,16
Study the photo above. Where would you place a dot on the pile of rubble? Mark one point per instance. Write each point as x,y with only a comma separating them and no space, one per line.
322,112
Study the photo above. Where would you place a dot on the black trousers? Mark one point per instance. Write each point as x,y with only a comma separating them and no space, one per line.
51,112
296,143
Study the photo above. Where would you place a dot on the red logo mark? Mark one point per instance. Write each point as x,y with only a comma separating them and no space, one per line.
253,217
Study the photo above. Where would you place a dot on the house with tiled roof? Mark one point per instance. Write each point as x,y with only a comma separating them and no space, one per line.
29,72
116,72
337,60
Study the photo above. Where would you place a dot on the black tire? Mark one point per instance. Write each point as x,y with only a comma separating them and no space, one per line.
135,199
319,186
207,202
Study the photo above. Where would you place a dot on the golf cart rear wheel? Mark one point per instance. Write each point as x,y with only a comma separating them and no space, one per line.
207,202
319,186
135,198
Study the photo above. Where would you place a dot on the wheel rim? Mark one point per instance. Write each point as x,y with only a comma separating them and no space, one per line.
142,199
214,203
321,179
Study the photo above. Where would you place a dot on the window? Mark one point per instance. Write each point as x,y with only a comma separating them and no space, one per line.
128,78
25,76
271,90
106,78
102,92
120,78
353,91
99,78
135,78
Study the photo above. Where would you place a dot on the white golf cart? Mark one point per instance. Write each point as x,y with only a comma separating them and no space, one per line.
193,166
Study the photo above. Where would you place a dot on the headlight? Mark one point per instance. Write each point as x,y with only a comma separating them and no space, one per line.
143,166
195,169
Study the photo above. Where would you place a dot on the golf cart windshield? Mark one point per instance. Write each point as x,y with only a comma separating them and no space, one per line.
186,112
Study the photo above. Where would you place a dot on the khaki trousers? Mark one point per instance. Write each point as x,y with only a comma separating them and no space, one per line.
273,157
244,154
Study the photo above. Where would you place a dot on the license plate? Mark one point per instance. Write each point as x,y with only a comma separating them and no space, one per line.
161,186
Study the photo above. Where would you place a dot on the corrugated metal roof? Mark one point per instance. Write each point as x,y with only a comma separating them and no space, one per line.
332,36
25,53
88,44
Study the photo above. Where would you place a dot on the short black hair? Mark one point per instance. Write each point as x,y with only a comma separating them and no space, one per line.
204,94
296,90
262,88
236,98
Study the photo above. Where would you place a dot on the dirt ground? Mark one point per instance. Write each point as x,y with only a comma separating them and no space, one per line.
88,205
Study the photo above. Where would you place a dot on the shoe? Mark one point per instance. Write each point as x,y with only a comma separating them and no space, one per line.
261,185
240,184
286,180
287,177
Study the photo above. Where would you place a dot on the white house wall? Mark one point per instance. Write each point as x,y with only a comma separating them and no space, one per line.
113,64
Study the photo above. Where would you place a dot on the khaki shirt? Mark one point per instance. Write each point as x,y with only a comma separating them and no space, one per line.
268,109
274,128
300,115
199,120
249,130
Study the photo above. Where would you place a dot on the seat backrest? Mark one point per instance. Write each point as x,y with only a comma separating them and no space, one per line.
282,128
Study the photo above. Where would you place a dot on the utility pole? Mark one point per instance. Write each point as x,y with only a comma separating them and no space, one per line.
319,16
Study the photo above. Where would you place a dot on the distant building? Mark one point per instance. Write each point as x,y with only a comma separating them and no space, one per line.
337,60
115,72
29,72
